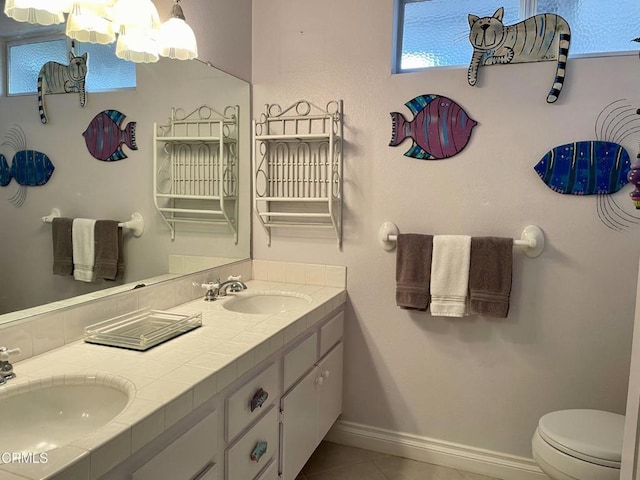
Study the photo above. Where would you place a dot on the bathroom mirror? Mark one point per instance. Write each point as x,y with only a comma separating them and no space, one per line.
82,186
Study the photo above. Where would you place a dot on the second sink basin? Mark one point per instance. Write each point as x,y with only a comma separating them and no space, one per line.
267,302
51,412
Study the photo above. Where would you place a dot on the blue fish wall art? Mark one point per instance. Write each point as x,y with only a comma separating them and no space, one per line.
440,128
105,136
29,168
596,167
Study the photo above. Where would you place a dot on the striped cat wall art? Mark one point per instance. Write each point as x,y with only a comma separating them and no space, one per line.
55,77
543,37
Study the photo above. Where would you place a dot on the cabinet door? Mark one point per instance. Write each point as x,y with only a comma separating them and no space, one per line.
186,456
299,430
330,391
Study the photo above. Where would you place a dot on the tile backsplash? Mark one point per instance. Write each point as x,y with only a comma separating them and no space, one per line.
52,329
302,273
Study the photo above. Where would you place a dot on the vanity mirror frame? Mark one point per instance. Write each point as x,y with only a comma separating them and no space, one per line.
154,221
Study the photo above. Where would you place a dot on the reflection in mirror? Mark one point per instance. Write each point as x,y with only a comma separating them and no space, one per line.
82,186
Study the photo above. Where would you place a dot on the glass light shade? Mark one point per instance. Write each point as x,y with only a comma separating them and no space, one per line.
90,22
138,26
41,12
138,14
177,40
137,47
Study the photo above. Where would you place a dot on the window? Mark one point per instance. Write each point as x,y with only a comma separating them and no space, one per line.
26,57
434,33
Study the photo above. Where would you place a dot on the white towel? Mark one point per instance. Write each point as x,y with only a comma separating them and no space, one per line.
450,275
83,241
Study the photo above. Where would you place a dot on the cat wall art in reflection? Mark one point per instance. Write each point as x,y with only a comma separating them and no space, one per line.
55,77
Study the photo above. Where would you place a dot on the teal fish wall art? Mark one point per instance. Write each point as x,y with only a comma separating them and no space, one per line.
29,168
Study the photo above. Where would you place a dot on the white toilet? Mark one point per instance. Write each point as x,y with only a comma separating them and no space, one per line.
579,445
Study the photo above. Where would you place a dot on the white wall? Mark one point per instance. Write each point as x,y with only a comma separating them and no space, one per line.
474,381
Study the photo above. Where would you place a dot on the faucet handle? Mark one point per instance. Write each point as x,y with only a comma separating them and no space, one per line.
5,353
237,278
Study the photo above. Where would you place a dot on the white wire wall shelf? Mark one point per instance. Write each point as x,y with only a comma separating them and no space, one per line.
297,167
195,164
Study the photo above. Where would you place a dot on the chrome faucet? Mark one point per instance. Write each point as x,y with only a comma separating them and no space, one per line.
232,284
217,289
6,369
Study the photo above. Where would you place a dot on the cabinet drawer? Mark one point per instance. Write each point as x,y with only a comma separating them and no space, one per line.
239,462
257,394
331,333
209,473
187,456
271,472
299,360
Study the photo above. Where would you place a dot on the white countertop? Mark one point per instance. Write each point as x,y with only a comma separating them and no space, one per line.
170,380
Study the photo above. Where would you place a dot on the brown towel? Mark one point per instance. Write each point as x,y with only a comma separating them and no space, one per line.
120,272
106,249
490,276
413,271
62,246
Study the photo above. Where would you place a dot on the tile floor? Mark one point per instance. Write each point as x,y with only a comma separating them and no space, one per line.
331,461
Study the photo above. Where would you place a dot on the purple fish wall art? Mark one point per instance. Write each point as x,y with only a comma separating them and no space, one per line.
104,136
596,167
29,168
440,128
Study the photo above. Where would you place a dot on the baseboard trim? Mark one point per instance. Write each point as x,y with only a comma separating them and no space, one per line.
439,452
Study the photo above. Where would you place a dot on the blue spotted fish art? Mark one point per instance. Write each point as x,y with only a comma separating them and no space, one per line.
105,136
596,167
29,168
440,128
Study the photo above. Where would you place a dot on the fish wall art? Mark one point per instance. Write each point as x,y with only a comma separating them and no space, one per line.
596,167
29,168
55,77
440,128
105,136
634,178
543,37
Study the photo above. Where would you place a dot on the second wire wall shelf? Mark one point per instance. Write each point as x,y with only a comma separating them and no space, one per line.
195,163
297,167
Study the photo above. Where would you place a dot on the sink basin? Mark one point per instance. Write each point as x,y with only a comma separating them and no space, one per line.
267,302
43,414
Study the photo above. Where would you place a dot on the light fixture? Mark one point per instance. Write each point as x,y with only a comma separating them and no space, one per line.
90,22
42,12
177,39
138,26
135,23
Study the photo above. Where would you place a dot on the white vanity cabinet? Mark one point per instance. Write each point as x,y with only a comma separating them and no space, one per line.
263,426
310,408
184,453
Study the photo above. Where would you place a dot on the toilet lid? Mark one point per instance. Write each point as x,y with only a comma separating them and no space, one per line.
591,435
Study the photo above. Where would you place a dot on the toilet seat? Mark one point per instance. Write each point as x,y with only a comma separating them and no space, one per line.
593,436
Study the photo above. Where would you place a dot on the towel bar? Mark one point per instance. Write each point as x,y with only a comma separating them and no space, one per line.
532,239
136,224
